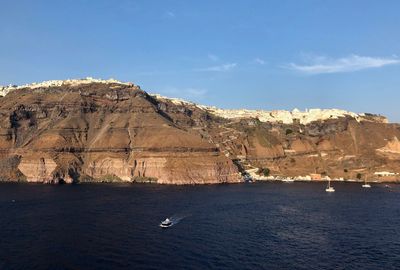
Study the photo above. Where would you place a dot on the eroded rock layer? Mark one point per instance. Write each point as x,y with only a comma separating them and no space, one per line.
93,130
101,132
344,146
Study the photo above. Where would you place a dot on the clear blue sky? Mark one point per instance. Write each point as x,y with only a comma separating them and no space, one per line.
233,54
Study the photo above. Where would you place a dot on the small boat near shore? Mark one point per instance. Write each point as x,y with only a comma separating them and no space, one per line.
287,180
329,188
248,179
366,185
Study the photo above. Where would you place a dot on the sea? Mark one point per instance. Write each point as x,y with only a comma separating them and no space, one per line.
238,226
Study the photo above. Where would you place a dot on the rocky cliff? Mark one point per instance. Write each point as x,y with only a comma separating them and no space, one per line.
94,130
91,130
330,143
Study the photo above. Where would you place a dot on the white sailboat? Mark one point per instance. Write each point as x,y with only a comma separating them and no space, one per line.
329,188
365,183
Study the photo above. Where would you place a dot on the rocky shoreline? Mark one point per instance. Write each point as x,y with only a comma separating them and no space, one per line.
153,181
325,181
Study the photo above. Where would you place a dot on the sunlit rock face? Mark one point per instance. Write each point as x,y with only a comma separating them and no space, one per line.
38,169
93,130
331,142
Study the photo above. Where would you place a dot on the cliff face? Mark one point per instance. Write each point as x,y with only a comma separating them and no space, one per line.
332,143
101,132
93,130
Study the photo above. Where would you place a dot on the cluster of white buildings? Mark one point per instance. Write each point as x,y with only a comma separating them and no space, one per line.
286,117
4,90
275,116
385,174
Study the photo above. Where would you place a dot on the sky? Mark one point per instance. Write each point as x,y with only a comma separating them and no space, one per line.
255,54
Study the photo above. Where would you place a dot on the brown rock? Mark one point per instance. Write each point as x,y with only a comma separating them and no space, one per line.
117,132
103,132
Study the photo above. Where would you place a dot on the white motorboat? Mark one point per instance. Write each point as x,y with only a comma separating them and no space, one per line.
287,180
166,223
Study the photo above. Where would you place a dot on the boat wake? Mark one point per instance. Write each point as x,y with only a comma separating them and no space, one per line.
175,219
178,218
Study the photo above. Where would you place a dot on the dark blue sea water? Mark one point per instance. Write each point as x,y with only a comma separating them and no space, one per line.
246,226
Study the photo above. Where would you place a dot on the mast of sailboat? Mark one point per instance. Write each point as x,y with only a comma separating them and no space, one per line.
366,185
324,168
366,175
